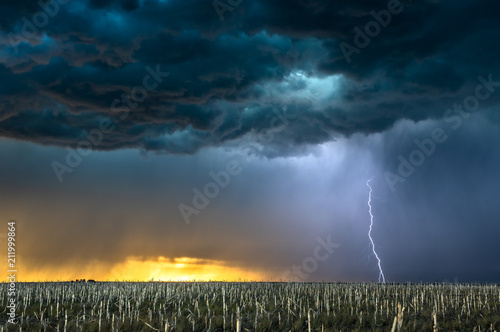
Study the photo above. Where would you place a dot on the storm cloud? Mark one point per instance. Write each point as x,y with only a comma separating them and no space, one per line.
311,98
93,61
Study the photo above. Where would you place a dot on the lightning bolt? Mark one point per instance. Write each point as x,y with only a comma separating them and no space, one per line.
381,273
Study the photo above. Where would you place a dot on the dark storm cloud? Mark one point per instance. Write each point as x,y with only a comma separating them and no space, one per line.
65,77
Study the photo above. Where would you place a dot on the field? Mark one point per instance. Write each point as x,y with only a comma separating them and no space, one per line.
256,306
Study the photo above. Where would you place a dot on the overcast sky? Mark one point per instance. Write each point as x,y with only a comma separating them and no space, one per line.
181,139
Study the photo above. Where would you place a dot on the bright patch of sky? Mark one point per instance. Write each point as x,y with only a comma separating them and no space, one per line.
298,86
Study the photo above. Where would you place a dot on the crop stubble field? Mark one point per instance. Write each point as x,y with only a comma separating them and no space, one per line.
252,306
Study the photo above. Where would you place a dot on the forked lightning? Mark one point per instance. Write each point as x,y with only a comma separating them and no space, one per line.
381,276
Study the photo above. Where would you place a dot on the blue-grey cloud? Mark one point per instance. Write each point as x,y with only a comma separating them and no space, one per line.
85,61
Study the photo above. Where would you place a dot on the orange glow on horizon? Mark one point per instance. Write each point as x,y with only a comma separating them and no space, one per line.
136,269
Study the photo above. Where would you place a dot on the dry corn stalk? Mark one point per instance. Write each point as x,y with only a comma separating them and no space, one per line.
435,327
400,316
394,324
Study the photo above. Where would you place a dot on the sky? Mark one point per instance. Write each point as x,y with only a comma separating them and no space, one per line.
233,139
